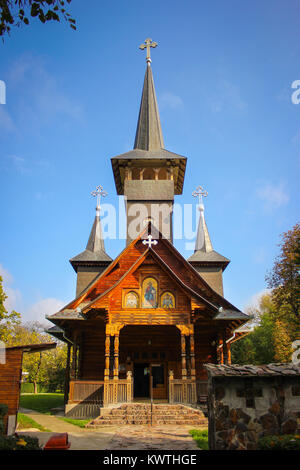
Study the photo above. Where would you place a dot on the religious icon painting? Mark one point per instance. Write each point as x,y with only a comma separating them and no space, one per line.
167,300
149,293
131,300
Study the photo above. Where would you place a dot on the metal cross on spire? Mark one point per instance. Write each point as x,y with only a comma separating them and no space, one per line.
98,193
200,192
148,43
149,241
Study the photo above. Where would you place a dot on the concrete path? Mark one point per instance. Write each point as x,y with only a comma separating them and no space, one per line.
130,437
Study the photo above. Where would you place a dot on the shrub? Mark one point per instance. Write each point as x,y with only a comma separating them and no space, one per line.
201,437
283,442
3,411
19,443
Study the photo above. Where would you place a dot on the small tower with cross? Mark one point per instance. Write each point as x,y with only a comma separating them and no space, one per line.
149,175
94,259
205,259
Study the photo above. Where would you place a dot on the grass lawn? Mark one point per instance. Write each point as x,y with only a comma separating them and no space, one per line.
201,437
77,422
42,402
24,422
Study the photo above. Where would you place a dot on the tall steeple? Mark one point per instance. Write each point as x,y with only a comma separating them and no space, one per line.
94,259
149,175
205,259
148,132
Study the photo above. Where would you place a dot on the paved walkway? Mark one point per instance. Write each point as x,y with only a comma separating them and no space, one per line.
113,437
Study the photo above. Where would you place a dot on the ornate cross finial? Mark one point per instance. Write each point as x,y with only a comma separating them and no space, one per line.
200,192
149,241
148,43
98,193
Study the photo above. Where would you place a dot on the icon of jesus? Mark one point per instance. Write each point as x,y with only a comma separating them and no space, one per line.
150,294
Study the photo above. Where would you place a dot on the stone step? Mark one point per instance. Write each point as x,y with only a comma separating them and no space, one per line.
142,422
140,414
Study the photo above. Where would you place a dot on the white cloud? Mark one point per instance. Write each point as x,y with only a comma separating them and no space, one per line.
35,311
254,300
14,297
226,96
169,100
260,254
273,196
6,122
18,163
41,308
42,90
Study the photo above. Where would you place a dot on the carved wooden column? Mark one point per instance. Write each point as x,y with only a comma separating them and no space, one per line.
192,353
116,356
183,356
229,353
171,386
107,367
107,356
74,357
129,392
67,374
224,348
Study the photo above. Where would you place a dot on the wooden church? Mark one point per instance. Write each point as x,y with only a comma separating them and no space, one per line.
142,325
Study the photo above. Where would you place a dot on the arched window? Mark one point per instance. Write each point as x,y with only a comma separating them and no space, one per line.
167,300
149,293
131,300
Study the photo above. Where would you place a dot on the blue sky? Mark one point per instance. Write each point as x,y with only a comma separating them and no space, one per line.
223,73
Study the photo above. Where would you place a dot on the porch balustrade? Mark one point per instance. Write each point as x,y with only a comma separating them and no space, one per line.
182,390
103,393
86,391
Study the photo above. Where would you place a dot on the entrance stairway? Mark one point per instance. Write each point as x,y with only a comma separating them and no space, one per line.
137,413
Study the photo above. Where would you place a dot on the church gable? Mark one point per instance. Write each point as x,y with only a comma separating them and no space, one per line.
146,295
164,259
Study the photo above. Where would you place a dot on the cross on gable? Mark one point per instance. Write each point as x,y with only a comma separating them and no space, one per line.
148,43
149,241
98,193
200,192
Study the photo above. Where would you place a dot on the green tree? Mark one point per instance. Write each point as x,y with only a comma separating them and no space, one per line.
8,321
284,280
18,12
258,346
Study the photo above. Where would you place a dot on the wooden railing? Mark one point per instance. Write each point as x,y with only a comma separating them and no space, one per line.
118,390
86,391
182,390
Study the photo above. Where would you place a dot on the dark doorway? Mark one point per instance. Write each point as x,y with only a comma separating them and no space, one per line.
141,377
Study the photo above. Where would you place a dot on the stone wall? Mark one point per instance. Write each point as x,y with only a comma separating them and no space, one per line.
244,408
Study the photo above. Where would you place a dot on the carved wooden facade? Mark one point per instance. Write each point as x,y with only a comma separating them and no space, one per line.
149,314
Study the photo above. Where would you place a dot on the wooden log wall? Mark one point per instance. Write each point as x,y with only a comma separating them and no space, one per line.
205,351
92,352
10,381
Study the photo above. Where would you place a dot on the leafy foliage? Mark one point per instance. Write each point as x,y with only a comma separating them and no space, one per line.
258,346
201,437
19,443
278,315
284,279
283,442
8,321
17,12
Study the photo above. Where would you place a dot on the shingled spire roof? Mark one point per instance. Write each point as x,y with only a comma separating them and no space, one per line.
149,143
94,254
204,252
148,132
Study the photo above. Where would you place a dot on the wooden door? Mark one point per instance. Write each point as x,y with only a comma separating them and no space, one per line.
159,374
